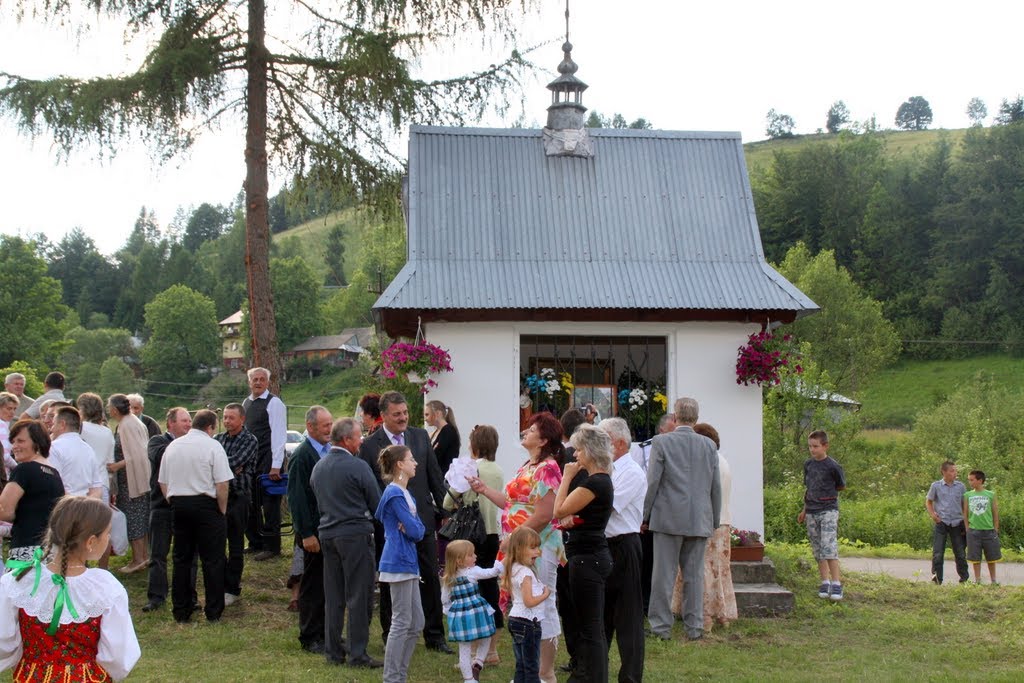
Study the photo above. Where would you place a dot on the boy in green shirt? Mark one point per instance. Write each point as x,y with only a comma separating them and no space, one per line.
981,515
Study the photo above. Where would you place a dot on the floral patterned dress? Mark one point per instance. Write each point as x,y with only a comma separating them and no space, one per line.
532,482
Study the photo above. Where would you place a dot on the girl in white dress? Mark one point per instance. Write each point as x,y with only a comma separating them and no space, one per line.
61,620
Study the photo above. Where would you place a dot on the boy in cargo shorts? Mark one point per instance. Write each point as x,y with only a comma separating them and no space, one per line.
823,479
982,518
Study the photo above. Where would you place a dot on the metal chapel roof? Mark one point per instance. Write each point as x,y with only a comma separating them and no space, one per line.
654,220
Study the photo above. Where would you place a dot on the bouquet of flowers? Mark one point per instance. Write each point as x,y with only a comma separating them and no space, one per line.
547,381
764,356
416,362
741,537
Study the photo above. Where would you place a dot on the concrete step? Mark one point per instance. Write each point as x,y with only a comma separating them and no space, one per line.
762,599
753,572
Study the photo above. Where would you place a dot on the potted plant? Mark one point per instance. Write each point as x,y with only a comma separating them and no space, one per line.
746,546
415,362
764,356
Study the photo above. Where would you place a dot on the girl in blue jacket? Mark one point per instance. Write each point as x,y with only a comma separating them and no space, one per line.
398,564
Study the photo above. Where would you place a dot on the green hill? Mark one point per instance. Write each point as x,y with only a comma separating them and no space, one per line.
894,396
897,143
308,239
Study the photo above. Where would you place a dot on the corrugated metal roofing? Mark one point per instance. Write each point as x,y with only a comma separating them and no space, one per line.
655,219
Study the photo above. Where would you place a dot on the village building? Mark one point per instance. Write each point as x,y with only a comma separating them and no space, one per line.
231,348
625,263
333,350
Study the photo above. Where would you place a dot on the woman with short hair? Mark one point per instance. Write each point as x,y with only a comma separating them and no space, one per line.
34,488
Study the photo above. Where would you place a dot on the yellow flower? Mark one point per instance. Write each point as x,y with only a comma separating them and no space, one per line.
565,379
662,400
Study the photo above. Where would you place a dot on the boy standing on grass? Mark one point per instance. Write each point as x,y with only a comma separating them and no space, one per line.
982,518
945,504
823,479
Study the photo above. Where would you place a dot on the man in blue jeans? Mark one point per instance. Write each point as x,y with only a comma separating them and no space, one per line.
945,506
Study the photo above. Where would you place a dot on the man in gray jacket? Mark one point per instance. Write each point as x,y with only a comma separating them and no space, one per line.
682,507
347,494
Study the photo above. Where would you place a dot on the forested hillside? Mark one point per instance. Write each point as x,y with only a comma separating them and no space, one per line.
935,232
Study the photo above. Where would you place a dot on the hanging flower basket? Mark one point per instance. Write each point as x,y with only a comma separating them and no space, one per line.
765,355
416,362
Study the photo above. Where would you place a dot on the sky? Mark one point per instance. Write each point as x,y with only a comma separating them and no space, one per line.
716,66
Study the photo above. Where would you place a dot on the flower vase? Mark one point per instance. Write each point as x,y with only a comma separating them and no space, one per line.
746,553
415,377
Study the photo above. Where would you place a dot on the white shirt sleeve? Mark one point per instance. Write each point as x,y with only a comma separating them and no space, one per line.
277,415
118,649
10,631
479,573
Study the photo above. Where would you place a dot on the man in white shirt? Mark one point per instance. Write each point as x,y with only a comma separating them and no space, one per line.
194,476
73,457
623,597
54,385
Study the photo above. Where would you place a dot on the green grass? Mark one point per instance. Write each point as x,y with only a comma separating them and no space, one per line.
337,391
894,396
897,144
886,629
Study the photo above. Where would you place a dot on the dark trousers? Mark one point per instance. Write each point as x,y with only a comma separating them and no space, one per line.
264,530
526,647
237,518
587,576
486,555
348,584
161,531
647,548
311,598
958,541
430,594
567,612
198,526
623,606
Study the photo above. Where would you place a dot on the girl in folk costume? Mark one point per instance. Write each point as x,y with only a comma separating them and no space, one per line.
60,621
470,617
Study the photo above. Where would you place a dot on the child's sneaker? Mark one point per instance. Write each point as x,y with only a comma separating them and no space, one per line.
836,592
823,591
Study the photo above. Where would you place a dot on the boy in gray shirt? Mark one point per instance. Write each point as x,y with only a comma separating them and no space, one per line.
945,506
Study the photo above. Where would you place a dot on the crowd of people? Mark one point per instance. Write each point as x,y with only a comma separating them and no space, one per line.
590,535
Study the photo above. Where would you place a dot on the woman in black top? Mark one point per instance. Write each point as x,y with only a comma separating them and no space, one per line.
583,505
34,488
445,439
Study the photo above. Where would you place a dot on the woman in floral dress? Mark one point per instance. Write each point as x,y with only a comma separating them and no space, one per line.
529,499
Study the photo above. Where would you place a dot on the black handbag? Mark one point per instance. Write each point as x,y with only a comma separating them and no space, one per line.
465,524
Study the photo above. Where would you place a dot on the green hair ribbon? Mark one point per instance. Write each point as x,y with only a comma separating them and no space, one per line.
63,598
22,566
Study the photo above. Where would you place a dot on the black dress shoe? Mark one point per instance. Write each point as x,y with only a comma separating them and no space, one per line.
152,605
316,648
367,663
440,647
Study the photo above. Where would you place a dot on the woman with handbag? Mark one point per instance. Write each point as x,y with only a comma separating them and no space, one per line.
483,446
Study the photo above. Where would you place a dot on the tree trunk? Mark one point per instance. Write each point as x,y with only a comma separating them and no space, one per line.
257,227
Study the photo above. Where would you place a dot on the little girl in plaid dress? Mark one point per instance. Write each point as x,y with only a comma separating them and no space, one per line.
470,618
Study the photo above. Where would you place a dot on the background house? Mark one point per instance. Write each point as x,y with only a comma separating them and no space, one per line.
335,350
232,353
623,258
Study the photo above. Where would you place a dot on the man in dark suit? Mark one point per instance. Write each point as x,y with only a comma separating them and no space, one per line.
306,520
427,489
682,508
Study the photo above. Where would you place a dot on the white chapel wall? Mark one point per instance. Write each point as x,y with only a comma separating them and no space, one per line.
484,388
